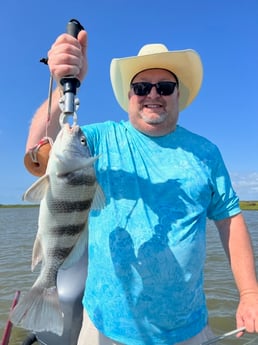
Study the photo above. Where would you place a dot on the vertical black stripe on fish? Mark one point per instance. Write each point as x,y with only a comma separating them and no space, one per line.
67,230
62,206
79,179
60,254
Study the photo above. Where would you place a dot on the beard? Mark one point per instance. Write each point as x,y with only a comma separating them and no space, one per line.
153,118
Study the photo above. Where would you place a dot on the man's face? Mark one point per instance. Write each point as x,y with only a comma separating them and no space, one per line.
154,114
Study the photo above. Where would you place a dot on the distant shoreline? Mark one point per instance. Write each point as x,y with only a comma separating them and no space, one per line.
250,205
18,205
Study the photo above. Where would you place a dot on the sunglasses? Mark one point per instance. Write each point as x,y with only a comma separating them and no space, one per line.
164,88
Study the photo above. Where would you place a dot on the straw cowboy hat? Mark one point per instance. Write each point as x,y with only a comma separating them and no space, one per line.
185,64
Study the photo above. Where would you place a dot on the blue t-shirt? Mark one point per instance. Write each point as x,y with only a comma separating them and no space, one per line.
147,246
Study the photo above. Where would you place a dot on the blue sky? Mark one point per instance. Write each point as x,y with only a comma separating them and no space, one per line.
224,32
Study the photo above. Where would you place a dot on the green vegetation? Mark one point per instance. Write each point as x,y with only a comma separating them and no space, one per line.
245,205
18,206
249,205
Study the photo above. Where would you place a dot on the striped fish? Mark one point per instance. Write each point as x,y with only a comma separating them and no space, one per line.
67,192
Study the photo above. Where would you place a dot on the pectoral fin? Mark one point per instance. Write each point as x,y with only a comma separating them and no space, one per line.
99,199
37,190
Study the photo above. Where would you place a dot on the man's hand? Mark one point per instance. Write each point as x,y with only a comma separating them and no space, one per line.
67,56
247,312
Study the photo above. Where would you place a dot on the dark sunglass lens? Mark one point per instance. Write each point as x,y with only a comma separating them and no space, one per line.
141,89
165,88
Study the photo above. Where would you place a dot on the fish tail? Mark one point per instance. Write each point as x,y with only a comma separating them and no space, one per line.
39,310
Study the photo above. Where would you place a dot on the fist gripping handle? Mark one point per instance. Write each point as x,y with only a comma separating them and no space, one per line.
70,83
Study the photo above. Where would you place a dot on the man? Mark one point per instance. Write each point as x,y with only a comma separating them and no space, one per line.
147,246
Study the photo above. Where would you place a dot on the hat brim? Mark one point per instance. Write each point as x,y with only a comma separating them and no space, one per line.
185,64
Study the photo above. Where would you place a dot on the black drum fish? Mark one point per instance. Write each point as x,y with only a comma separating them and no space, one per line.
67,193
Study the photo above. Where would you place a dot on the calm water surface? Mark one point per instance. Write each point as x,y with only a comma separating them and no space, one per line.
18,228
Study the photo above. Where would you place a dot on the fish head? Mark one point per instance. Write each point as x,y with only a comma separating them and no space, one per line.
70,151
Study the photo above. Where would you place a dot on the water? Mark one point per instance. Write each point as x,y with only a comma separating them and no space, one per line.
17,230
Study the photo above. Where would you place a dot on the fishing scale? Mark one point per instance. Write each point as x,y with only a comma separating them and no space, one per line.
36,158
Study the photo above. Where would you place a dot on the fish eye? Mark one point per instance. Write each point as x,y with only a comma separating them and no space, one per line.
83,140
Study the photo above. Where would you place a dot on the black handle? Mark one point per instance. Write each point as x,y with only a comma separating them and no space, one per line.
74,27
